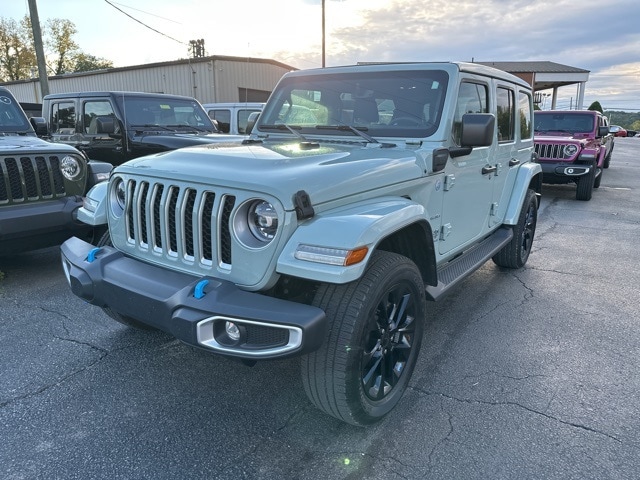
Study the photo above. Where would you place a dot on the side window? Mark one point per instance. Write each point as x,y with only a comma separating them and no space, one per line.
524,108
94,109
506,114
472,98
243,118
223,117
63,118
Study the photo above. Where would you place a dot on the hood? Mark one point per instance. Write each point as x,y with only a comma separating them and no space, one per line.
172,140
29,145
325,173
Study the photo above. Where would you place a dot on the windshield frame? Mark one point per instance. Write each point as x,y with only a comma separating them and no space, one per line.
318,105
163,113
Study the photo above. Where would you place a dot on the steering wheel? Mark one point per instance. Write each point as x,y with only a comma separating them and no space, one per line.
406,122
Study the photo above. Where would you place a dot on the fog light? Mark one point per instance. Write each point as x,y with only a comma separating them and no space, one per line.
233,331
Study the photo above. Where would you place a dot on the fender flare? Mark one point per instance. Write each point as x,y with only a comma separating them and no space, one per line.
363,224
526,175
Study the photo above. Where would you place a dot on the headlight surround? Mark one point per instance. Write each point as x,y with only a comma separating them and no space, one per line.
117,196
570,150
71,167
256,223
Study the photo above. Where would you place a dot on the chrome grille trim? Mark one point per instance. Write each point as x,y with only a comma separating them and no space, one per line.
184,223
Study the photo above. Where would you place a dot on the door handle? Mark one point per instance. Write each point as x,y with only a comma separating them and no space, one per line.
513,162
489,169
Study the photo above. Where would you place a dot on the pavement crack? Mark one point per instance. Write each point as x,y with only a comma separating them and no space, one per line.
524,407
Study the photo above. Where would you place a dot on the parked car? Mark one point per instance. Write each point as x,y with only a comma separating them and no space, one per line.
573,146
41,183
617,131
324,237
118,126
232,118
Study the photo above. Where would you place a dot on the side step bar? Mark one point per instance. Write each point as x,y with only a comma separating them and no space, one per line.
451,273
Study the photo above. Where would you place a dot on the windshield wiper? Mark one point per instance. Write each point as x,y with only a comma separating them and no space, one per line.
357,131
304,143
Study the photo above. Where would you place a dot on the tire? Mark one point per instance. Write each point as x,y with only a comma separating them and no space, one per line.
376,326
607,159
596,182
585,185
516,253
105,240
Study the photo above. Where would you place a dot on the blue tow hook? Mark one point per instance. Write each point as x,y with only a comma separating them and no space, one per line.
198,292
92,254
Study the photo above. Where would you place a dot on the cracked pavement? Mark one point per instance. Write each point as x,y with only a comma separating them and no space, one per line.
528,374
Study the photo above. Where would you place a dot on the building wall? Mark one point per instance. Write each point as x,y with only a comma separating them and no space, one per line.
209,79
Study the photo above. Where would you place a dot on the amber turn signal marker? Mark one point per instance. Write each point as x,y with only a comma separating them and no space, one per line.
355,256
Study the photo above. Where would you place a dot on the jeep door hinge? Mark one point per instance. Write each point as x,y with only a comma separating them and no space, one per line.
445,231
449,182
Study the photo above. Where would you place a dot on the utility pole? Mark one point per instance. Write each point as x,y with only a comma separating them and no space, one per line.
37,39
323,49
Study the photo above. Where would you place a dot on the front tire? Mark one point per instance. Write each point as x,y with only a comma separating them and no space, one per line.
376,326
123,319
516,253
586,184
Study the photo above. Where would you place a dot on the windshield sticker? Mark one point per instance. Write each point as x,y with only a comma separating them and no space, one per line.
5,100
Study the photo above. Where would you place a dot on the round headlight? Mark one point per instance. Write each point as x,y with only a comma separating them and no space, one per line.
118,197
570,150
70,167
262,219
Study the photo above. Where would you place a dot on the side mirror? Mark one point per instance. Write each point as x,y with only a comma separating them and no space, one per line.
251,121
105,125
603,131
39,124
478,129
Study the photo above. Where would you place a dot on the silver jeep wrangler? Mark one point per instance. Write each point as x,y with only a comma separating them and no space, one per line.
362,192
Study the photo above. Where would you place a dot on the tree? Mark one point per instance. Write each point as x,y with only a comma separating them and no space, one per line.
85,63
596,106
63,55
17,53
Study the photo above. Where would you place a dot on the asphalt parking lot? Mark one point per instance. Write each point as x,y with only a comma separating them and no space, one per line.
529,374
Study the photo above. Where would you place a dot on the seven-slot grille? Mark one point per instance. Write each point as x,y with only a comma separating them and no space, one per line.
551,150
24,179
187,223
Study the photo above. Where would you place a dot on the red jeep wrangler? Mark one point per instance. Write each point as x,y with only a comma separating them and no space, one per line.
573,146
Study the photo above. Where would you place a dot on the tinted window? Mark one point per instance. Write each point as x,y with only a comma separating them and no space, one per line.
472,98
243,118
63,118
524,109
12,117
94,109
223,117
506,114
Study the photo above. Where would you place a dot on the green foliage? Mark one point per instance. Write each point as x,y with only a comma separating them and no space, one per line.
627,120
596,106
1,275
63,54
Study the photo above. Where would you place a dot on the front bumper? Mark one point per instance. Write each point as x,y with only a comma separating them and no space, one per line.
563,172
194,310
39,224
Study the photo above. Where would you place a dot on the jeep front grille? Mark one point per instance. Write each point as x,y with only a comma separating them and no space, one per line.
186,223
548,151
30,178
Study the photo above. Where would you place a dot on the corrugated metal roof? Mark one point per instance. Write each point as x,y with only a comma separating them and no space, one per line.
538,67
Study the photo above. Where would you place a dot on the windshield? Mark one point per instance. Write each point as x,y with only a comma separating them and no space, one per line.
167,113
564,122
387,104
12,118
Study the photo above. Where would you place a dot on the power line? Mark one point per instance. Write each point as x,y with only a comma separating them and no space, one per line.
145,25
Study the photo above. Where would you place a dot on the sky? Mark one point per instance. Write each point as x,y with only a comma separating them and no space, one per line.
602,37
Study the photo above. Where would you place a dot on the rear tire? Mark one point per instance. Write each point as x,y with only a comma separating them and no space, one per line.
516,253
123,319
376,325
